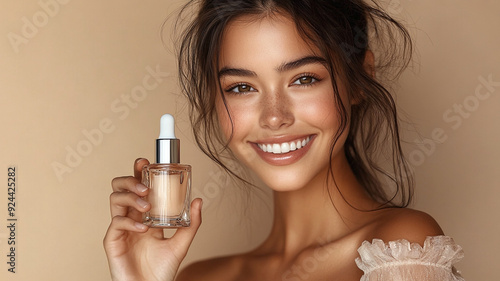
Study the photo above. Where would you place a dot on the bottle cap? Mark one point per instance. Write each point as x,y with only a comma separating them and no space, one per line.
167,145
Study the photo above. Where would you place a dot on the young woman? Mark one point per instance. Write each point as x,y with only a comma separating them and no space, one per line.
289,88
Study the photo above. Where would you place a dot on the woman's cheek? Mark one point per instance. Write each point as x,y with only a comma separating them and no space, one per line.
319,109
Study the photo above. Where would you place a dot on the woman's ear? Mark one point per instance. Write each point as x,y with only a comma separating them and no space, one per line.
369,63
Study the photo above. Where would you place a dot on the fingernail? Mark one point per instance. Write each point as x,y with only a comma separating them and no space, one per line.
141,202
140,187
140,226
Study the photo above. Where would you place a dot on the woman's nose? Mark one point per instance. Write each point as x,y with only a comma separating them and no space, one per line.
276,111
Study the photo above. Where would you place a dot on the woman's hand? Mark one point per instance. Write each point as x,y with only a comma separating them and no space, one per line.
134,251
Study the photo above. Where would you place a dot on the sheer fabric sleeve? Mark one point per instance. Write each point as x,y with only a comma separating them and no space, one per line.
404,261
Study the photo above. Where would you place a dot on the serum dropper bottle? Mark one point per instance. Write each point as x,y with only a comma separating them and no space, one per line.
169,182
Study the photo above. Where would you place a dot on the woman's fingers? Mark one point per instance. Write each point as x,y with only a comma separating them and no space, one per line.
127,192
138,165
132,184
184,236
120,202
128,184
120,226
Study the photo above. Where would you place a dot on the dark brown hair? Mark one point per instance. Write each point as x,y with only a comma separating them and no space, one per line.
343,30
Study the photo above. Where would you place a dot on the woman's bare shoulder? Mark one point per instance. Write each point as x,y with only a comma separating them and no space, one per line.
220,269
404,223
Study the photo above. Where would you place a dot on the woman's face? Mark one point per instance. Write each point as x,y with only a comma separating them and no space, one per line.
280,97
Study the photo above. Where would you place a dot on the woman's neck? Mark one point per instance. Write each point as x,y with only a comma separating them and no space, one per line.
306,217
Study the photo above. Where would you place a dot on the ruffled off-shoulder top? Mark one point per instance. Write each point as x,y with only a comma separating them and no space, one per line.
404,261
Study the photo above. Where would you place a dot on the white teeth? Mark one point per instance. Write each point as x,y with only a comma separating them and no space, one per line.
285,147
276,148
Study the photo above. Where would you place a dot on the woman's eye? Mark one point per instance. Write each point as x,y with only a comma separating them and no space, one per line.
243,88
305,80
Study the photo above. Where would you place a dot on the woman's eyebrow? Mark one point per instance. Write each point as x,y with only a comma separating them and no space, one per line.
227,71
300,62
236,72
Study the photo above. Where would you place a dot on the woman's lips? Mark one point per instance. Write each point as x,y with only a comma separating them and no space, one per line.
284,152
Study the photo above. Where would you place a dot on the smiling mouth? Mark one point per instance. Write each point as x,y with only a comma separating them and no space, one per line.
285,147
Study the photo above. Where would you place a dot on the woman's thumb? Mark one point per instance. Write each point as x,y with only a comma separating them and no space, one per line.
184,236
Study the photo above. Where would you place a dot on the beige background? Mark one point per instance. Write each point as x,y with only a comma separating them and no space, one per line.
70,74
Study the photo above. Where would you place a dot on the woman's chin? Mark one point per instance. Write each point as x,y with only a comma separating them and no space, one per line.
279,184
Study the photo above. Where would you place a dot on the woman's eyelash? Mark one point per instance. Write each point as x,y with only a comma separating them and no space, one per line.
241,87
307,78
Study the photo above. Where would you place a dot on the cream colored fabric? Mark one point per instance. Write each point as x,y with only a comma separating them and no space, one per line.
404,261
